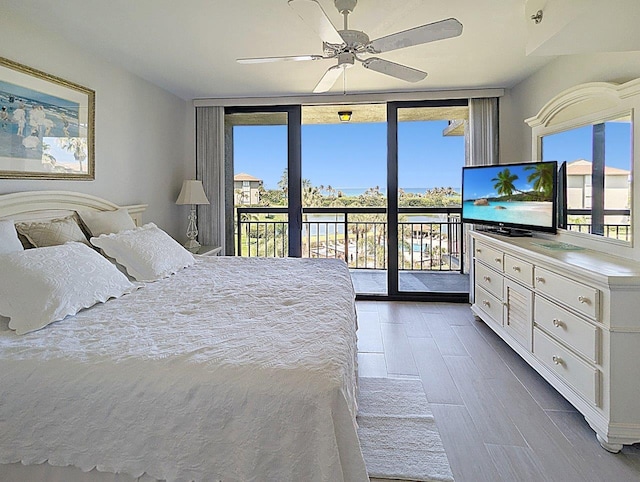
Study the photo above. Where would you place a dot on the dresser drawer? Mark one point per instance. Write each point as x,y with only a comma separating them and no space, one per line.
488,279
567,327
519,312
582,298
518,269
489,256
582,377
488,303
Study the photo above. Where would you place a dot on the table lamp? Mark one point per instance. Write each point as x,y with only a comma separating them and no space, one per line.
192,193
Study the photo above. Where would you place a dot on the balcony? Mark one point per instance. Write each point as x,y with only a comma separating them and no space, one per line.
429,248
579,220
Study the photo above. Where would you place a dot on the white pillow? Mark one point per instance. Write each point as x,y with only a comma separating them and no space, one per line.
147,253
9,242
106,222
43,285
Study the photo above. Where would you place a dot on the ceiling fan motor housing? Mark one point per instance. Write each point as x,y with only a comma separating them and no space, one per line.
354,39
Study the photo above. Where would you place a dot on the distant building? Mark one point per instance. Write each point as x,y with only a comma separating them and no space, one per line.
579,189
246,189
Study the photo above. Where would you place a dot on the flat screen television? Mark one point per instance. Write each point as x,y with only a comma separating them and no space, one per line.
514,198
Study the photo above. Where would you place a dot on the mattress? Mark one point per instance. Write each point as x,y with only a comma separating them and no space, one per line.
232,369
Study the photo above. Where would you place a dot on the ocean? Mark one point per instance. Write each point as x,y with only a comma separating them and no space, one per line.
357,191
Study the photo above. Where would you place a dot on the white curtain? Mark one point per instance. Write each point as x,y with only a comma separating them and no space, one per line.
483,132
210,169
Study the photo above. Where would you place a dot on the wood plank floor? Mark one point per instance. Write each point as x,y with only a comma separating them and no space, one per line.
498,419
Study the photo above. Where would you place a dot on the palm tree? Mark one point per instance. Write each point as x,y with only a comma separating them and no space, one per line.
77,146
541,177
504,182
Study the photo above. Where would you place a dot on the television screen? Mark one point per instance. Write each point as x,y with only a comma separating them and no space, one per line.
520,196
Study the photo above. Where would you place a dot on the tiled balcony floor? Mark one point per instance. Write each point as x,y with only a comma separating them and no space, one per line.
368,281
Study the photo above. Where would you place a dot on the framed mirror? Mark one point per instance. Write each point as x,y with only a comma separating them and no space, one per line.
597,183
589,130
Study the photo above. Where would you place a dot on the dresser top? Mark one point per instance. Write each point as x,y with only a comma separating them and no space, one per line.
595,264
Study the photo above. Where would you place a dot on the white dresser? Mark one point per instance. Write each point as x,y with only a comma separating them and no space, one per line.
574,316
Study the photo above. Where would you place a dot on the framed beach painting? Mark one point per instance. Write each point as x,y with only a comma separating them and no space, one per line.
46,125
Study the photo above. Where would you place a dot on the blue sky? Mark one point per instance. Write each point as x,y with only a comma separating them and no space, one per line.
353,155
576,144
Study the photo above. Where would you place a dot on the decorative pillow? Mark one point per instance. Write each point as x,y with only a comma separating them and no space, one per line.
106,222
9,242
52,233
43,285
147,253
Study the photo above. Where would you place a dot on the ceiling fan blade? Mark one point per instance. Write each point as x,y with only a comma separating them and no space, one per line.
328,79
415,36
312,14
394,70
292,58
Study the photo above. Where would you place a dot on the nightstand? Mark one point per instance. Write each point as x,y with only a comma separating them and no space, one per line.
209,250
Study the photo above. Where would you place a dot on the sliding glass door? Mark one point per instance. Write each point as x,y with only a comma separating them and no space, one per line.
376,185
426,152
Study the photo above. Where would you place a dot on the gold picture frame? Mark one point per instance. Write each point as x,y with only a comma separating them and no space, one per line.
47,125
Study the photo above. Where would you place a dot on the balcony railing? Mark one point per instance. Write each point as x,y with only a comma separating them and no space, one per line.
428,238
621,231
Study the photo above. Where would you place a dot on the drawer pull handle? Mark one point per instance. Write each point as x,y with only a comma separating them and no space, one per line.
486,303
516,268
557,360
478,250
557,323
539,279
498,260
583,299
486,278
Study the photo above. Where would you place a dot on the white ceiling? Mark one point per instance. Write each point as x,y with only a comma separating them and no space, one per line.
189,47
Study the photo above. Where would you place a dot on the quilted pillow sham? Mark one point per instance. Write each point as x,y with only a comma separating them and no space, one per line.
147,252
52,233
43,285
106,222
9,242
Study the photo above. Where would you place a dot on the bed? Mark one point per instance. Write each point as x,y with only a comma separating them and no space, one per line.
230,369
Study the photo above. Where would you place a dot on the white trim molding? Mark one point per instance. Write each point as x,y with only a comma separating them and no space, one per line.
582,100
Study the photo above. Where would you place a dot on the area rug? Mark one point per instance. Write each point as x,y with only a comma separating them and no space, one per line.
397,431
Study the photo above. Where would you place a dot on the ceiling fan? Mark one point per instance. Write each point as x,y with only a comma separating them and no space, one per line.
347,45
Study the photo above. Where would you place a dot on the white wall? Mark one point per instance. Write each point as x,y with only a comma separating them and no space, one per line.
525,99
144,135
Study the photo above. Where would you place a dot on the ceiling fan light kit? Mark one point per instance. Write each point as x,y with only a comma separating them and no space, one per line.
346,46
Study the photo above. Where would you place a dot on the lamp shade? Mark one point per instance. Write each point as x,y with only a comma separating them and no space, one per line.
192,192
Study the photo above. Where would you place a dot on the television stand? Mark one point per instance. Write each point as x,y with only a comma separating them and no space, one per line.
572,316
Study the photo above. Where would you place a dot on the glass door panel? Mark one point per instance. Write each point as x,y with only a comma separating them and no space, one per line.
258,151
343,190
430,156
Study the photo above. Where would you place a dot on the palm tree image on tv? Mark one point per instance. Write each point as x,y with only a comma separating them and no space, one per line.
542,178
504,182
516,194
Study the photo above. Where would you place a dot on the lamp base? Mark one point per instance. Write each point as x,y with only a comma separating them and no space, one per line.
192,245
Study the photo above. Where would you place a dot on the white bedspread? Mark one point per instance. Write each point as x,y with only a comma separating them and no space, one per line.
235,369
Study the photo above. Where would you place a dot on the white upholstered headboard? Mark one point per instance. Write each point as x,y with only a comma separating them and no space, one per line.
46,205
